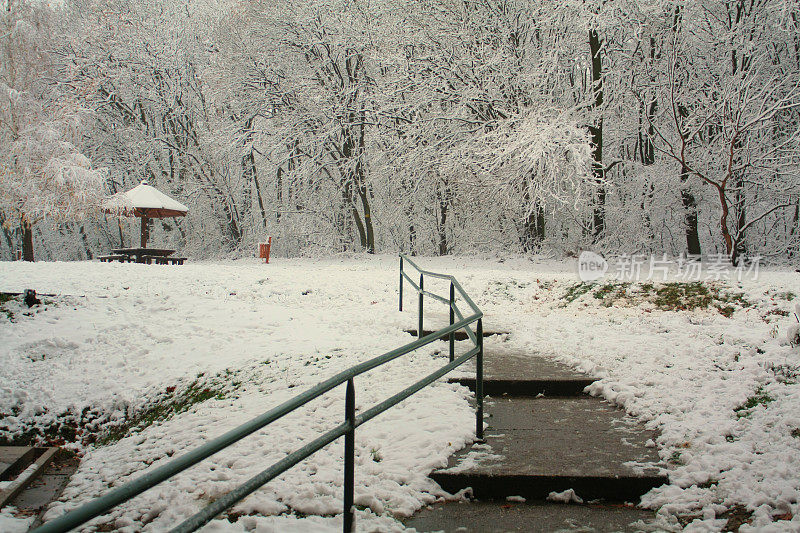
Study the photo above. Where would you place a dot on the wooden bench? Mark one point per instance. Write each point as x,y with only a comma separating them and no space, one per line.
162,260
109,258
146,259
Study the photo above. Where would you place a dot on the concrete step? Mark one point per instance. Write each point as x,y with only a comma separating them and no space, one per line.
509,371
459,335
497,517
535,446
46,486
29,465
15,459
528,387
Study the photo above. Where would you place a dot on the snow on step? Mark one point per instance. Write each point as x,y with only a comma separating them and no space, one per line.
535,446
512,371
491,517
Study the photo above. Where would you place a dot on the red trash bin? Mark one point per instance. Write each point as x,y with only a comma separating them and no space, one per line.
263,250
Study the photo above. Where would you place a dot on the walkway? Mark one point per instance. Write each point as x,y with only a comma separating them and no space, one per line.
545,436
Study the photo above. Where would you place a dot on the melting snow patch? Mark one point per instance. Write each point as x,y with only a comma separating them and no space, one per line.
11,524
567,496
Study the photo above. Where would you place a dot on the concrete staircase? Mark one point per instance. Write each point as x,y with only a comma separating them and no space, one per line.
543,436
33,477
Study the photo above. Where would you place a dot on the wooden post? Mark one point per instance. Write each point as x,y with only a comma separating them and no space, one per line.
144,232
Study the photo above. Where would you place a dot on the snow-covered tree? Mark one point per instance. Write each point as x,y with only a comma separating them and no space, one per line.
43,175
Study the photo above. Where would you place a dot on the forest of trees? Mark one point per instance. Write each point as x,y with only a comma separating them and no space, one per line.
431,127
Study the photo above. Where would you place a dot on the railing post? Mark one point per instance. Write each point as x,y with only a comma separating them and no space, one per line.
452,321
479,383
401,283
349,456
421,287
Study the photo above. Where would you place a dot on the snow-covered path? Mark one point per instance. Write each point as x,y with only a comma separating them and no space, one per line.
257,334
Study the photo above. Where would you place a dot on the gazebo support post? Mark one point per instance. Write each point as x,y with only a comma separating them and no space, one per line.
144,232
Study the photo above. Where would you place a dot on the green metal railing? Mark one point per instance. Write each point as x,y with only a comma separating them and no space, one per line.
346,429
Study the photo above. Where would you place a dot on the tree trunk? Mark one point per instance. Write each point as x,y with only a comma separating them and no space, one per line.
363,187
533,230
27,240
347,198
279,193
121,233
596,133
740,243
6,233
251,175
690,215
795,227
291,184
85,241
723,222
354,173
442,222
369,241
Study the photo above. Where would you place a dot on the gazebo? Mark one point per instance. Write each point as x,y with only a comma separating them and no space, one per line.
145,202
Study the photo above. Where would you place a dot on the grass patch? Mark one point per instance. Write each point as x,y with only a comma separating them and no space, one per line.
94,426
682,296
785,373
576,291
4,299
760,397
611,292
174,403
726,310
737,516
673,296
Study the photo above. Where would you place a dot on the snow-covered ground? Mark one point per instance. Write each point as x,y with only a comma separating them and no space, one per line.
230,340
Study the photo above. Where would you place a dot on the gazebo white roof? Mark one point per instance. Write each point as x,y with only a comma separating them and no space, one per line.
145,201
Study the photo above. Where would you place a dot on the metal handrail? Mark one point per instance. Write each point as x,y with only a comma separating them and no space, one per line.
103,504
476,338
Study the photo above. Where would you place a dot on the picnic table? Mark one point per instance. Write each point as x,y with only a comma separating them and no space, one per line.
159,256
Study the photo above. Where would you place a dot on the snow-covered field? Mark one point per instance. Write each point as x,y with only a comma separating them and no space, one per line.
222,342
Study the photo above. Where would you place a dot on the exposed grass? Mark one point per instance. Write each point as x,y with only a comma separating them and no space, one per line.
376,455
611,292
760,397
546,284
175,403
675,457
678,296
4,299
576,291
786,373
85,426
736,517
673,296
